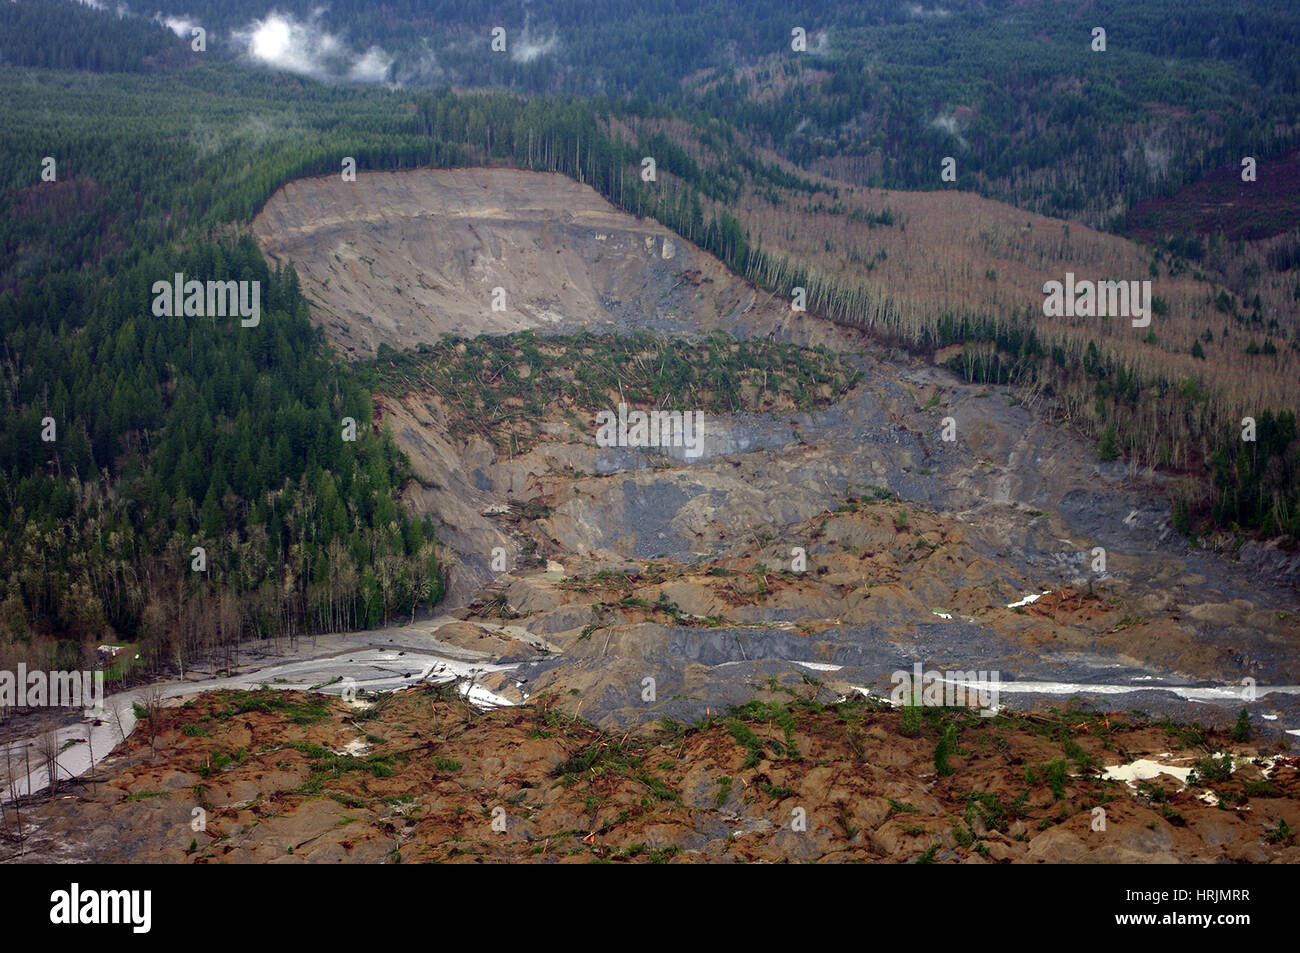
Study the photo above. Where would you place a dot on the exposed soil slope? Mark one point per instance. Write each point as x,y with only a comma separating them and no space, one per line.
398,258
275,777
1014,506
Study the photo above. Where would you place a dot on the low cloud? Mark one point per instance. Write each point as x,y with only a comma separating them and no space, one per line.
526,49
918,12
182,25
282,41
951,125
422,69
371,67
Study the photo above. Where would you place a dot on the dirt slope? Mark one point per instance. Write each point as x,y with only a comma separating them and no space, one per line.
400,257
1015,505
273,777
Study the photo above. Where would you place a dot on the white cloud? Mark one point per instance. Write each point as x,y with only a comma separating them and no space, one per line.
181,25
281,41
526,49
951,125
121,9
918,12
371,67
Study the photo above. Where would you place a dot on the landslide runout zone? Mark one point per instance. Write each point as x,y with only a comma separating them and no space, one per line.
418,776
635,563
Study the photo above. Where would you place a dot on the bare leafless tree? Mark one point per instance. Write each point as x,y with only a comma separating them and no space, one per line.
11,779
116,712
6,779
47,746
151,697
90,748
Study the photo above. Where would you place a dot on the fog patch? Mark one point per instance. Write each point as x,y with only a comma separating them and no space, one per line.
527,48
371,67
1155,157
917,12
283,42
952,125
421,70
183,26
253,133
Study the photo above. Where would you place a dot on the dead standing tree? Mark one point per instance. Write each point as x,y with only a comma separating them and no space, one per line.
151,700
48,747
10,778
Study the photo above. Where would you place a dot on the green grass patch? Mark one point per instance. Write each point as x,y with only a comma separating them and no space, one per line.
146,795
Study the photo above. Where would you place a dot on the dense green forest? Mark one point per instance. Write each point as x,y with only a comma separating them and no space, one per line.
882,92
68,35
176,433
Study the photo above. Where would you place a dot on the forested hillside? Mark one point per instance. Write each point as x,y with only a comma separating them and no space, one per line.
70,35
175,433
881,92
